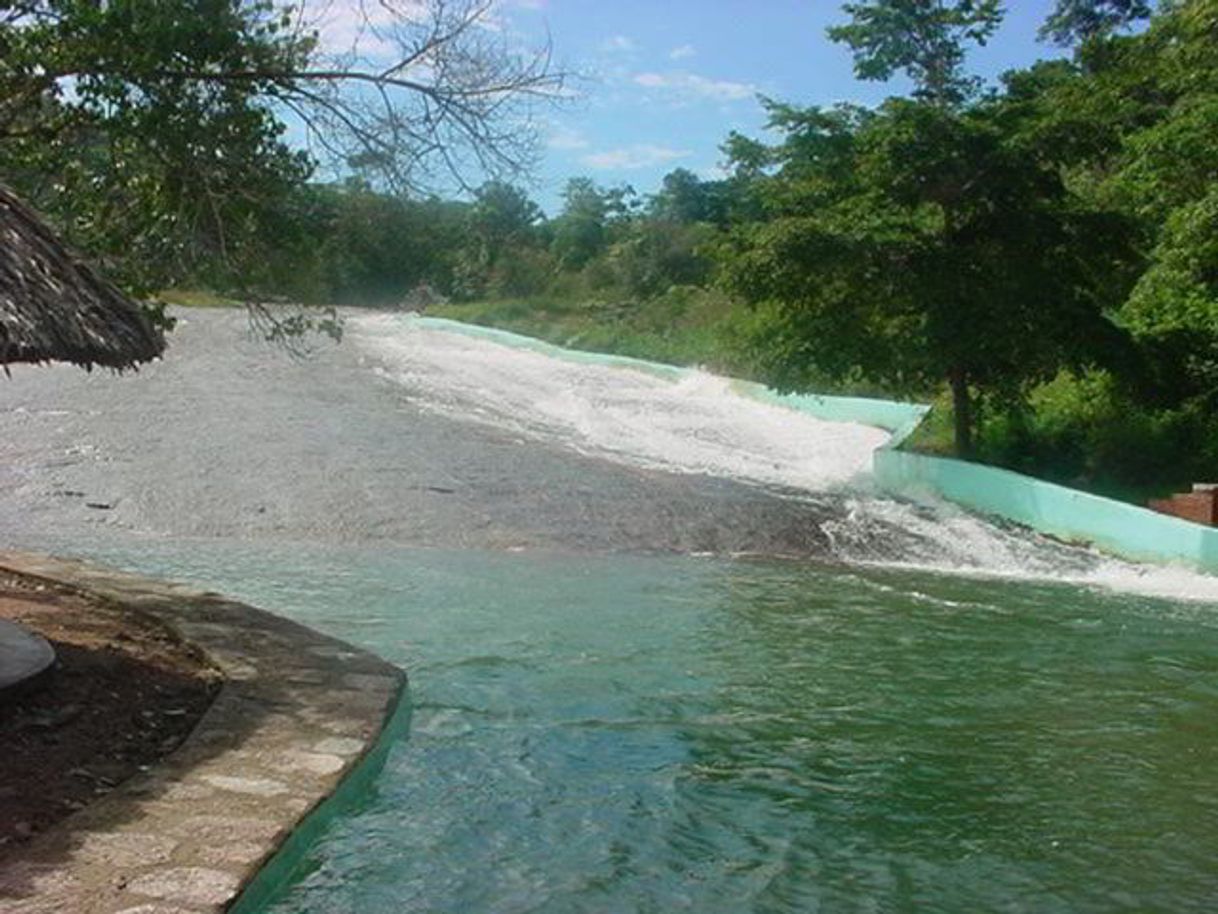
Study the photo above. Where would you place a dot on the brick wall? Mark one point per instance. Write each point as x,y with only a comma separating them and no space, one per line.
1199,507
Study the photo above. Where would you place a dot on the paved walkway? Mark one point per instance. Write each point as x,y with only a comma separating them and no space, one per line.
297,713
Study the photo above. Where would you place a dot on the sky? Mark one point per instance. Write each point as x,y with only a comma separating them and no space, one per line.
661,83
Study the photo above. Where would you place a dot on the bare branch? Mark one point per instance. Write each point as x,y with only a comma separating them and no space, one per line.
426,95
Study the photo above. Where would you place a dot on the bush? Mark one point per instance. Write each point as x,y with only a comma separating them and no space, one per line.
1083,430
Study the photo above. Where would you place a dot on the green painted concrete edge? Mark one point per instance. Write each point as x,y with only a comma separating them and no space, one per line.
290,860
893,416
1117,527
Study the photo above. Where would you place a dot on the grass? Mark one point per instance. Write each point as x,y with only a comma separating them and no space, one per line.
685,326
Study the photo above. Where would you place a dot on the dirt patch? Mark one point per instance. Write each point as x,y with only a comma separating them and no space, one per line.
124,693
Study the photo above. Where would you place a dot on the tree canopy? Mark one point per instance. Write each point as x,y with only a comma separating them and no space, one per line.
164,124
1076,21
925,39
914,244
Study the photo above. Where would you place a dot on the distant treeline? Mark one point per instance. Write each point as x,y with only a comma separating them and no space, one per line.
350,244
1042,256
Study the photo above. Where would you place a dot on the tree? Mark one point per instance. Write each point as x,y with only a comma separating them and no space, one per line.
916,245
1079,21
682,198
500,227
658,254
502,215
580,230
1163,174
925,39
155,132
349,243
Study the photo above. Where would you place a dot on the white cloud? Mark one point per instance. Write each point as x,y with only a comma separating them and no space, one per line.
640,155
370,30
691,84
618,43
684,52
566,138
361,28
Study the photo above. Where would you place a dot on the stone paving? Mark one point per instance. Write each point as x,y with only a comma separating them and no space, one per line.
297,712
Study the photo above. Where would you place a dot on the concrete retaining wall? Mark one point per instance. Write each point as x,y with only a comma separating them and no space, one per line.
1116,527
1122,529
899,418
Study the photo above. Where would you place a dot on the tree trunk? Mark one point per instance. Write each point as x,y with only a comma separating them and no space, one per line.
962,409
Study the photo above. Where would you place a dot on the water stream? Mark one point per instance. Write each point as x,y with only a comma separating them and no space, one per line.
668,651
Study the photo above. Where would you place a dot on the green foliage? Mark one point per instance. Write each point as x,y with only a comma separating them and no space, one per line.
1077,21
501,223
502,216
1064,222
152,133
371,248
585,227
684,326
656,255
1157,96
1083,430
1131,126
685,198
915,244
1174,307
579,234
925,39
148,170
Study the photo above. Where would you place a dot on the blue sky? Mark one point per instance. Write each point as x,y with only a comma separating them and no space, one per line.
665,82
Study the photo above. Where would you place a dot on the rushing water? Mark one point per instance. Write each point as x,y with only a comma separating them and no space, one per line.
608,734
918,711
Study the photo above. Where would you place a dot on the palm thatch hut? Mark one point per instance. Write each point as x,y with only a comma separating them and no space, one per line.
55,307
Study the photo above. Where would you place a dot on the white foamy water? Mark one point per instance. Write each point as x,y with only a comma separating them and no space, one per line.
694,425
949,539
696,422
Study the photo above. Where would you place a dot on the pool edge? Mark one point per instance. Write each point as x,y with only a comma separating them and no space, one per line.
300,726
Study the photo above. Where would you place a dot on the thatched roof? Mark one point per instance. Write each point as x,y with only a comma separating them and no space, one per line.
55,307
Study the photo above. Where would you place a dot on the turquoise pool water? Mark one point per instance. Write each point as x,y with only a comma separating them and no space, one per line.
636,734
919,710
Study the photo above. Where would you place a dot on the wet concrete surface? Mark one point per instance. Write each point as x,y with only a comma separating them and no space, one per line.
229,436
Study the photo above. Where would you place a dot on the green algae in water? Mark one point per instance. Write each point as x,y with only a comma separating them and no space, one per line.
639,734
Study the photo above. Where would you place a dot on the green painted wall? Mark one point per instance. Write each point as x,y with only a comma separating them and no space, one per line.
899,418
1122,529
1117,527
